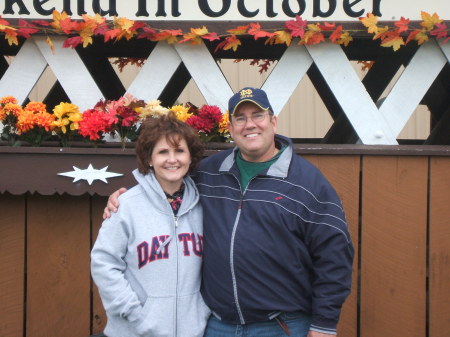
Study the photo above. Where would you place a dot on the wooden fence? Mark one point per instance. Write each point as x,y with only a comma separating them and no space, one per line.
397,208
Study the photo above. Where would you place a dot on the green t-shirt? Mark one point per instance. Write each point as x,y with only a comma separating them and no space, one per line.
249,170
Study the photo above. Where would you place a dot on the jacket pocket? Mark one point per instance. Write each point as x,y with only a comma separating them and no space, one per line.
157,317
192,315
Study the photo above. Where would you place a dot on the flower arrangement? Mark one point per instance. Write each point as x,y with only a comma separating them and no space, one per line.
119,118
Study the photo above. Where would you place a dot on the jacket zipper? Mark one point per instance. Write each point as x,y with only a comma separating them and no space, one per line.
176,284
233,274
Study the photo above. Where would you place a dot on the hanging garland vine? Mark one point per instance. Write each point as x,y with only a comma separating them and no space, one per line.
81,32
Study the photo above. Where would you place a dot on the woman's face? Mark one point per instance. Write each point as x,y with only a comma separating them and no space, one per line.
170,164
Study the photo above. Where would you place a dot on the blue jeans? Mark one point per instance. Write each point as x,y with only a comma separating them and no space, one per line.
297,322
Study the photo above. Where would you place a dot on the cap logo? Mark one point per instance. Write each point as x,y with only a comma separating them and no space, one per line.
245,93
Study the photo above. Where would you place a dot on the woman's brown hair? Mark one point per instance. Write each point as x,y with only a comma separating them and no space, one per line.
174,130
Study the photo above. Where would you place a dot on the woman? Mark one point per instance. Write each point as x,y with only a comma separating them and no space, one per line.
147,258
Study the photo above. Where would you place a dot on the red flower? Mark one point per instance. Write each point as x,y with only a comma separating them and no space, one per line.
93,124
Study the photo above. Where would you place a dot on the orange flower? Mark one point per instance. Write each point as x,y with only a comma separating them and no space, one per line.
223,124
2,114
8,99
13,109
25,122
44,120
36,107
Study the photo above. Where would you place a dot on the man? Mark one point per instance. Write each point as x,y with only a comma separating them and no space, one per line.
277,252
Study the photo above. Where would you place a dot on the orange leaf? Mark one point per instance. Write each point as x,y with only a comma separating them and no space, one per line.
370,21
402,24
240,30
312,37
50,43
336,35
412,36
297,26
255,30
111,34
232,42
169,35
429,20
57,18
345,39
11,36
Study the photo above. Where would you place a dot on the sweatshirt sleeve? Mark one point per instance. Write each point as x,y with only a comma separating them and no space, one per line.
108,270
331,252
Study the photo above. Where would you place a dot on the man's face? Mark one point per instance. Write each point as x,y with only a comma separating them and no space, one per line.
255,139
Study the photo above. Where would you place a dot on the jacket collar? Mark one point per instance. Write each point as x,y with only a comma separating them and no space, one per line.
278,169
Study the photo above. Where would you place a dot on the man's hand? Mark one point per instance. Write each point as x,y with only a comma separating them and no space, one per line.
113,203
319,334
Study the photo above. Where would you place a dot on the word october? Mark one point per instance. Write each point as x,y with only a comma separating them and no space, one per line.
290,8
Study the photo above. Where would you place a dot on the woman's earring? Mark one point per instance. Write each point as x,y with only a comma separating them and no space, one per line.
150,165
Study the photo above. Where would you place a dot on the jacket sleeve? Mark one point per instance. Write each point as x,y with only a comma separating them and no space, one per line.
331,251
108,270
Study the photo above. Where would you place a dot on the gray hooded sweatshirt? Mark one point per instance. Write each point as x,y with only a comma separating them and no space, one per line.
146,264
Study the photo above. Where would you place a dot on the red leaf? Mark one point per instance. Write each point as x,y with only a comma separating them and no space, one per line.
101,29
3,22
72,42
327,26
297,26
402,24
211,36
440,31
25,31
148,33
137,25
41,23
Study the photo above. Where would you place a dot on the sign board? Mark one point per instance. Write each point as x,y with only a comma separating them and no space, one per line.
227,10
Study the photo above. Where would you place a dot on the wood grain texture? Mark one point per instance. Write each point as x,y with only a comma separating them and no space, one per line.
58,301
393,241
12,251
439,250
343,174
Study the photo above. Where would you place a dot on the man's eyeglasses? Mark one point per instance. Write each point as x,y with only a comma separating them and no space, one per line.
257,117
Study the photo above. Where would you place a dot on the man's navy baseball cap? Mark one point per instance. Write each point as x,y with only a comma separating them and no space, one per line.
248,94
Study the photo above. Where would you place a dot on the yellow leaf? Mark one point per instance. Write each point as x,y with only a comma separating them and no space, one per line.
314,27
123,23
370,21
380,31
429,21
345,39
421,38
395,43
97,18
50,43
199,31
283,36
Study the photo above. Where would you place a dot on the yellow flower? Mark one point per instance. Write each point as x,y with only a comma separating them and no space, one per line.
182,112
223,125
66,113
152,108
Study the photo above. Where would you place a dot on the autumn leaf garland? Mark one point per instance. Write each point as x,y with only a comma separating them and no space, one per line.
81,32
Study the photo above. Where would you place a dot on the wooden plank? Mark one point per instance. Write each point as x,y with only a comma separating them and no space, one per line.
361,111
155,73
286,75
343,174
12,253
206,74
70,71
23,74
412,85
98,313
58,266
439,250
393,240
